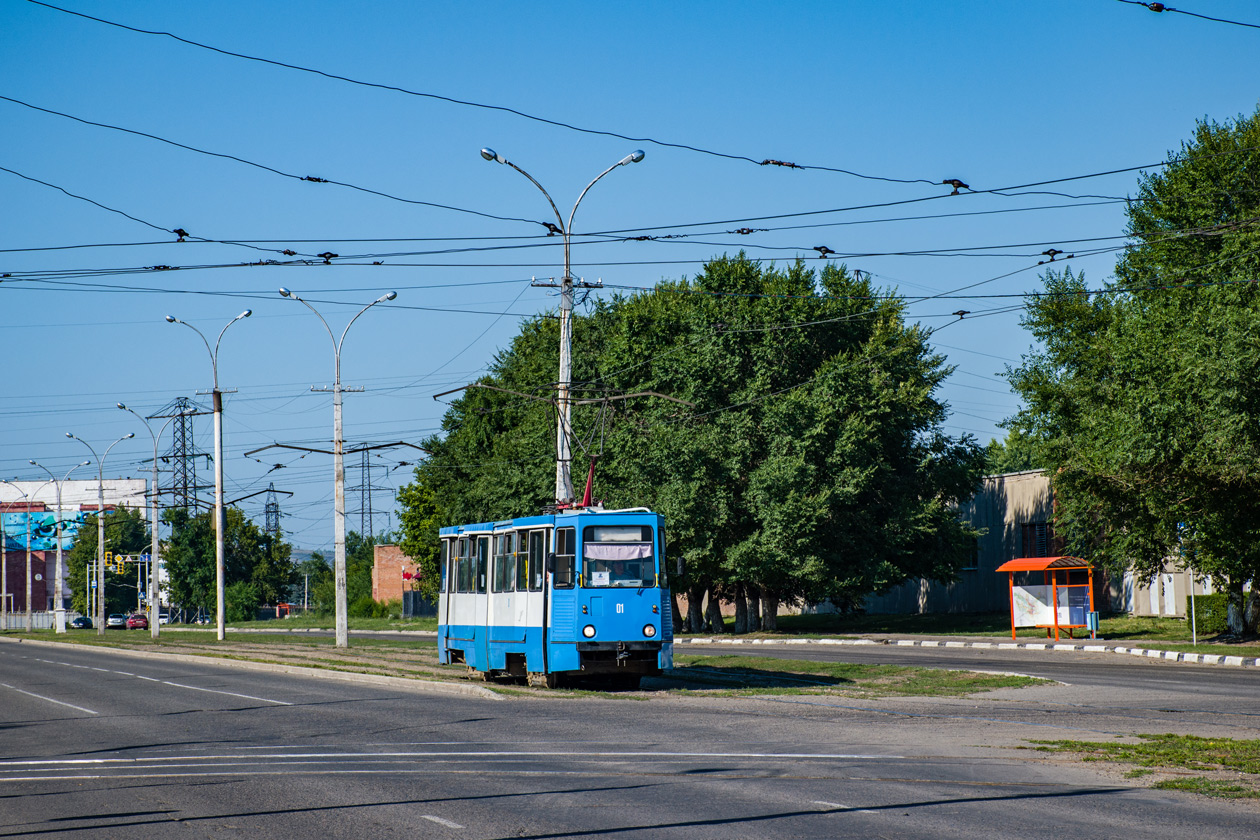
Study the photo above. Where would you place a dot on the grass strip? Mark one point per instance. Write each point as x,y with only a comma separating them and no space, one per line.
756,675
1237,759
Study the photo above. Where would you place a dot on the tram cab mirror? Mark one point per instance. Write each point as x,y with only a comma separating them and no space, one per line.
551,564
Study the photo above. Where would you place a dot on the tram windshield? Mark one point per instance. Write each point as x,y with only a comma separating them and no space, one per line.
618,555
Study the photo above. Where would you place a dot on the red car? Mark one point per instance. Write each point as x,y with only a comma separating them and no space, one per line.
137,621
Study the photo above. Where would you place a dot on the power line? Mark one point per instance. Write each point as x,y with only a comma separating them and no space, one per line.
1160,7
306,178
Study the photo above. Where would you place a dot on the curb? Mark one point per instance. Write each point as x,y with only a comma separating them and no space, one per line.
1166,655
294,670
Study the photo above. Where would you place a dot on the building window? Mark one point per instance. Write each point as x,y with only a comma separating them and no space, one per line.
1038,540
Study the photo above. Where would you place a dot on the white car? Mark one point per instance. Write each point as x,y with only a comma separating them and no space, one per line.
164,618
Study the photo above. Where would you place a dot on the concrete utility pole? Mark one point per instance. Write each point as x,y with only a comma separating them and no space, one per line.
220,524
564,478
59,607
339,471
100,525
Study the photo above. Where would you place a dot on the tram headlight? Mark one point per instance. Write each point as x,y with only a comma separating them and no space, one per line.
649,630
589,631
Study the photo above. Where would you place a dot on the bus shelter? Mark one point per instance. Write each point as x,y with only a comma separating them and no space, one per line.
1063,601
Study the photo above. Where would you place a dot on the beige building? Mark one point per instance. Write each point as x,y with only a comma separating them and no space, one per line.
1014,512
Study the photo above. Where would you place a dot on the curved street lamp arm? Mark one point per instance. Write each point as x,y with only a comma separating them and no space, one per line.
219,340
331,337
72,436
381,299
214,363
554,209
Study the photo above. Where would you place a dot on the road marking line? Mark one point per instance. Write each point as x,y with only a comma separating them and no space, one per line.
229,693
838,807
49,699
440,821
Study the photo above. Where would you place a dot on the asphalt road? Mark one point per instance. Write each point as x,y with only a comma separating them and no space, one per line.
112,745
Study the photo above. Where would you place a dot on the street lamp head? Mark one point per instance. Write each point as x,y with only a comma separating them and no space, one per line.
170,319
285,292
491,154
129,435
123,407
387,296
70,435
634,157
245,314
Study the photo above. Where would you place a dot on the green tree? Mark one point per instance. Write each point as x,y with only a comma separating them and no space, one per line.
1143,401
1014,454
810,465
126,532
259,561
419,518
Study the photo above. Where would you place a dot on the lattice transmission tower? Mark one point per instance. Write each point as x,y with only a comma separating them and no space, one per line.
271,511
183,453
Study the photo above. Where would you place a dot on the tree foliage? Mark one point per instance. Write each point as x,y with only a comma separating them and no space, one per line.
810,465
126,532
1144,401
259,562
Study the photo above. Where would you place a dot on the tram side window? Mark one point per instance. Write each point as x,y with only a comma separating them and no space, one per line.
537,551
522,561
504,562
483,557
566,543
464,573
443,565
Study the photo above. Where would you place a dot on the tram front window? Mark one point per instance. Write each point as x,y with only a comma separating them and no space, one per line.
618,556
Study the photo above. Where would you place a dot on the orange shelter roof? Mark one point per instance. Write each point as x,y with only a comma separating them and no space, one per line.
1037,564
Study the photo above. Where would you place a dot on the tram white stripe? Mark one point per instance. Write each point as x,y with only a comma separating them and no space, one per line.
49,699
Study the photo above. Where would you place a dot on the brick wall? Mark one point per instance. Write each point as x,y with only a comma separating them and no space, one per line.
388,565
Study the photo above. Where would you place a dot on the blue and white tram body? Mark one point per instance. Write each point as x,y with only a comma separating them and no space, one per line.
582,593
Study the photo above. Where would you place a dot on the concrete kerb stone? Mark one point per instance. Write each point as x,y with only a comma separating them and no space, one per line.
294,670
1146,653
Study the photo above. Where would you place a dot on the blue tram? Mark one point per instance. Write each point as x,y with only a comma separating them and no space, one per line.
578,593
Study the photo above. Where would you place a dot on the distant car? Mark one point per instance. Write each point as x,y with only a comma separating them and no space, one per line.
116,620
137,621
81,622
164,618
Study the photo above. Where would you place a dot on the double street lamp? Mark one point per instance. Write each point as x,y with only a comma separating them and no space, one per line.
154,584
339,472
59,607
564,478
219,525
100,525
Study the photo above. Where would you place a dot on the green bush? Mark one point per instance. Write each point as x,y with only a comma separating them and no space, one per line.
1210,613
242,601
365,607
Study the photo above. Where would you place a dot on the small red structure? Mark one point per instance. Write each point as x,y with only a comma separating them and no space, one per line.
1032,606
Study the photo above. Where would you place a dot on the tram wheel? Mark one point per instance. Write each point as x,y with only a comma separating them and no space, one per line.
538,680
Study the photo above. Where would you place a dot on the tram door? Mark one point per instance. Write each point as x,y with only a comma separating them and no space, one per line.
481,610
530,594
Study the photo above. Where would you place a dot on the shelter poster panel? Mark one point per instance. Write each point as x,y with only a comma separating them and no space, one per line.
1032,606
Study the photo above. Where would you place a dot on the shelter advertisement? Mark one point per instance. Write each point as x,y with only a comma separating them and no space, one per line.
1032,605
43,529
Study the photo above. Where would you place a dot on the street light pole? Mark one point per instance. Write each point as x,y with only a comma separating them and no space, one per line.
564,477
59,607
219,524
100,525
339,471
4,576
154,587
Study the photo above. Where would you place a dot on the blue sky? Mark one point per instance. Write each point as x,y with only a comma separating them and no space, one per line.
997,94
